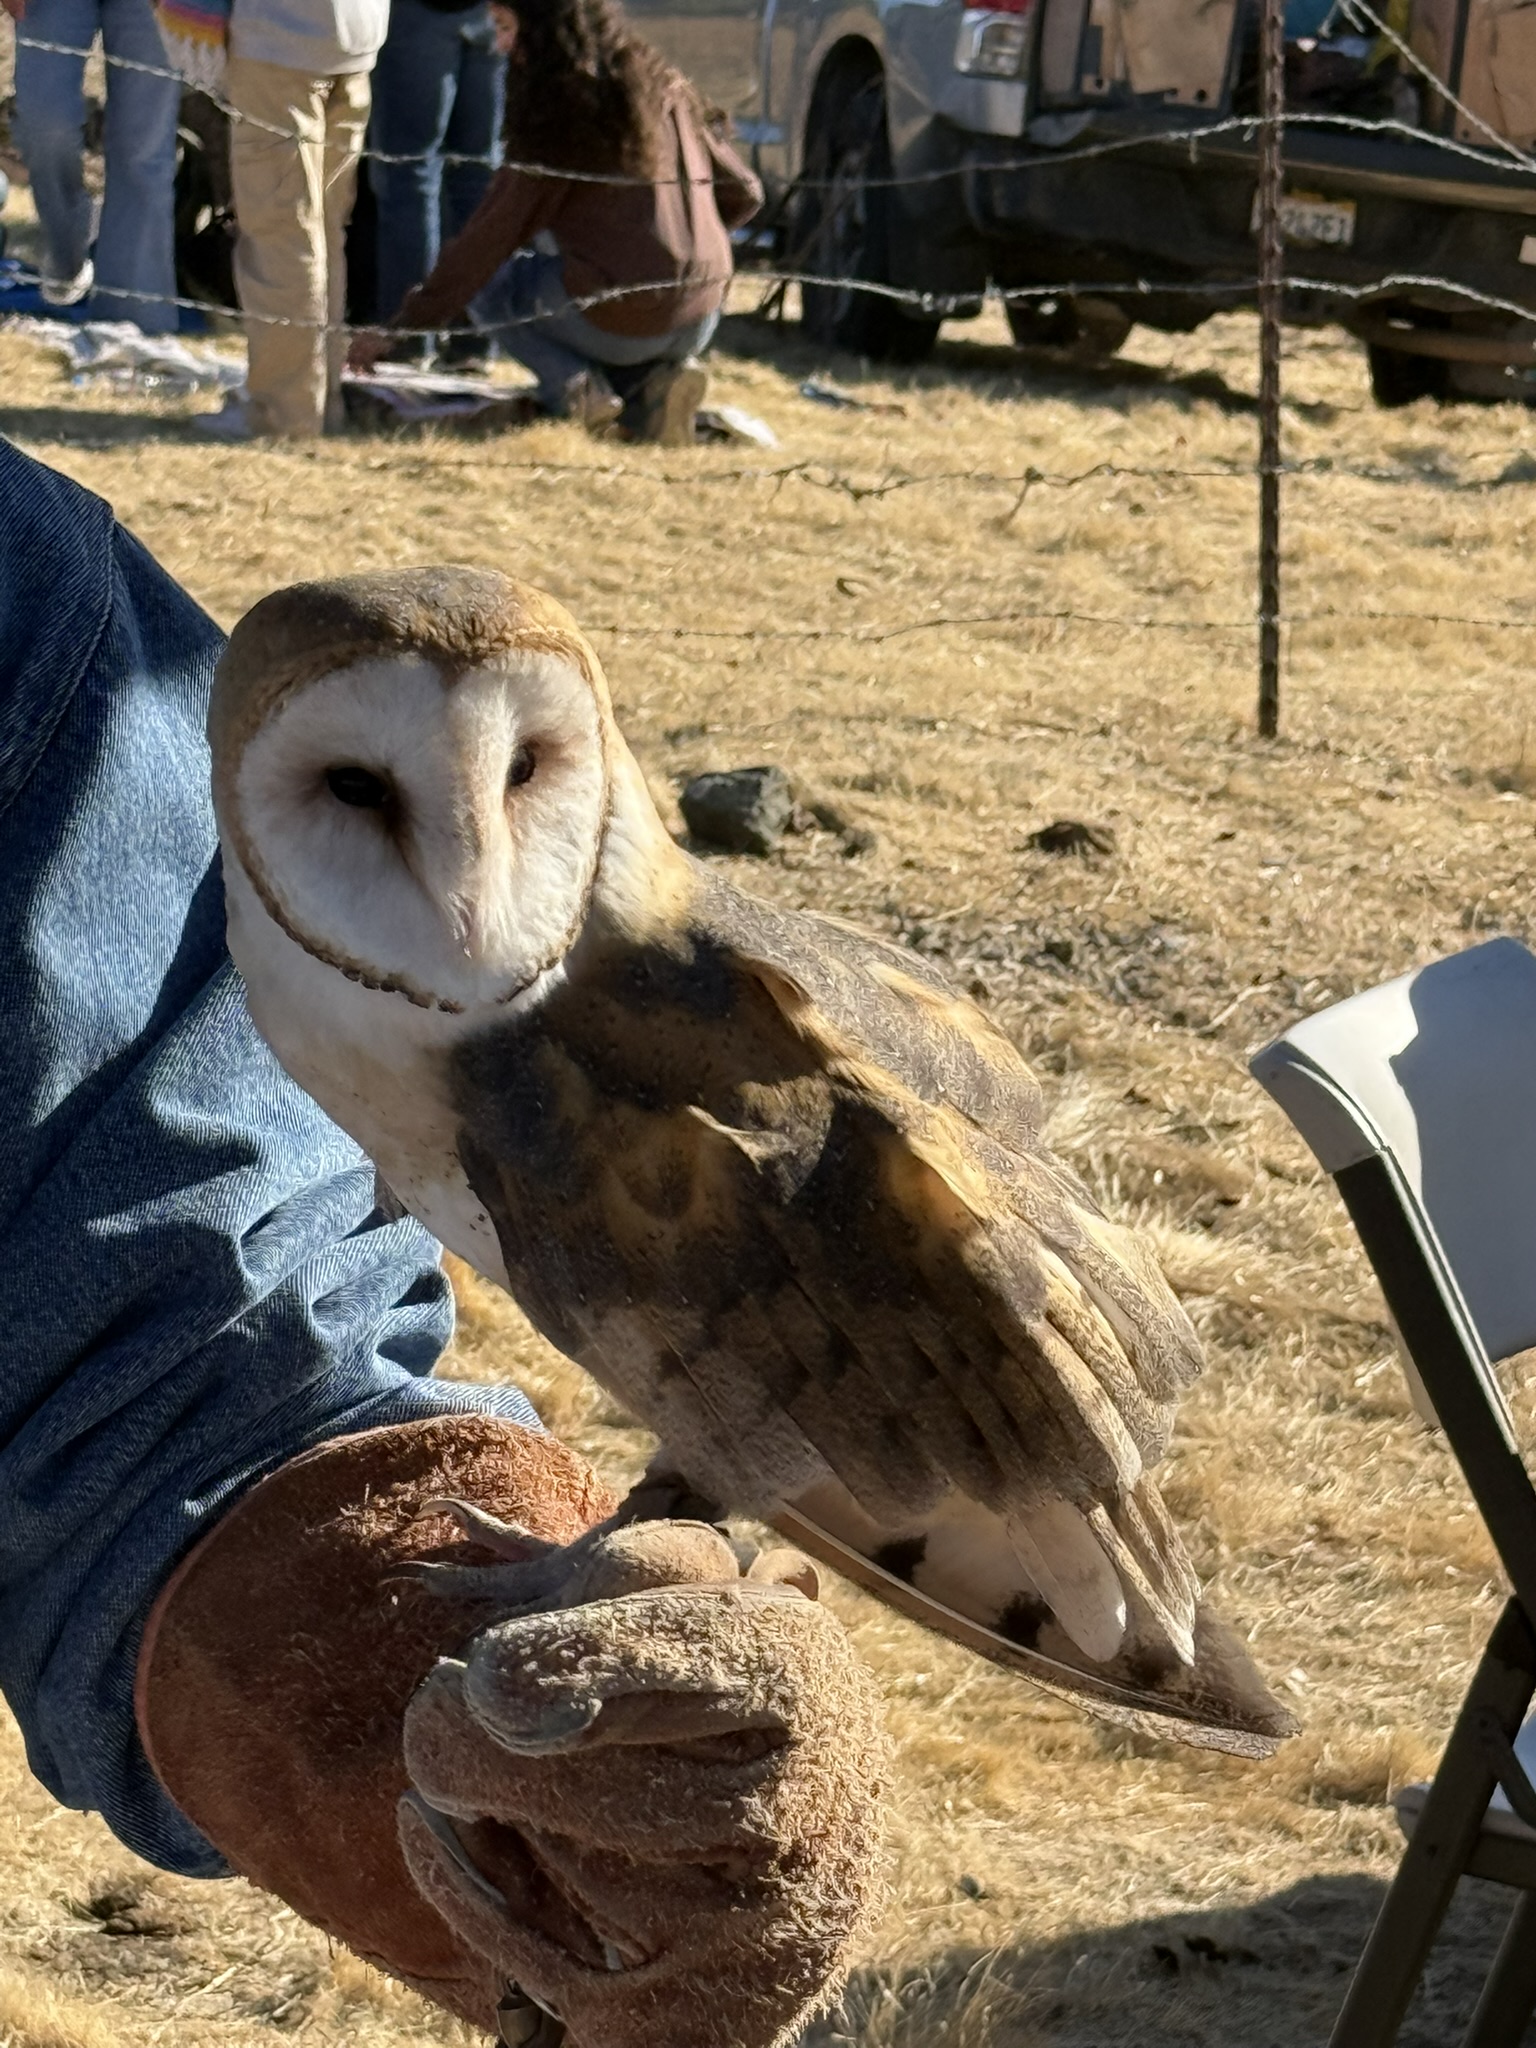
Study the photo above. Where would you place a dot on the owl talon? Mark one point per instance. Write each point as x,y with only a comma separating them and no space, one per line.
502,1539
440,1580
513,1588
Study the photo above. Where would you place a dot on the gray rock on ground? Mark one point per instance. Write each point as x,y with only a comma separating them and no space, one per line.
738,810
749,810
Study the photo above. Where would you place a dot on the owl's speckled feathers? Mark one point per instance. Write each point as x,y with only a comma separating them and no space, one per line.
766,1177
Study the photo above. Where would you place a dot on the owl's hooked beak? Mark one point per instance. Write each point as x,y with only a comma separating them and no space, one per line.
463,874
468,928
470,910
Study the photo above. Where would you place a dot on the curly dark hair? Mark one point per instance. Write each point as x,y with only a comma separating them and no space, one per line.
584,91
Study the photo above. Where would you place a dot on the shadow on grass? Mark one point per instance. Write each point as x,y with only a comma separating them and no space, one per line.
79,426
1004,372
1271,1975
113,427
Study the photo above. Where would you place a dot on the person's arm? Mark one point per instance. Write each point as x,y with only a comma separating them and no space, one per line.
515,206
198,1282
738,189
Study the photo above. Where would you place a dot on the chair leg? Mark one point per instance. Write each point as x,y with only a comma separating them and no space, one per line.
1509,1996
1441,1843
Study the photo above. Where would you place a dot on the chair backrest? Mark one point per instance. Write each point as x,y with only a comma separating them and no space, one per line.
1437,1069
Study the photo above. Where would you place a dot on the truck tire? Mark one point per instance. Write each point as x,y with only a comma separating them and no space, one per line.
1398,378
844,227
1042,323
1086,330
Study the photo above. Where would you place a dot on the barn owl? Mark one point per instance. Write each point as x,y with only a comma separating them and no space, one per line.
766,1177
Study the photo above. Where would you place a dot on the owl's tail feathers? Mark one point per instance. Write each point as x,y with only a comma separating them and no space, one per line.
1170,1666
1154,1568
1111,1575
1098,1604
1073,1572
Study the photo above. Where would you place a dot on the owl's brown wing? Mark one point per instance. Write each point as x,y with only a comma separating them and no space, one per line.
824,1291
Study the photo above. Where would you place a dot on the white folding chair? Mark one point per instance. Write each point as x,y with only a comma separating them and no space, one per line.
1419,1099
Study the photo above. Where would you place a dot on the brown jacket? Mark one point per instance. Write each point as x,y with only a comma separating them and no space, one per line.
671,234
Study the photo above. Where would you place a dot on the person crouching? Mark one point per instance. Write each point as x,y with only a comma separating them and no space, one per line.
600,256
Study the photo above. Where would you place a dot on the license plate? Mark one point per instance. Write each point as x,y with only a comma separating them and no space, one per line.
1313,222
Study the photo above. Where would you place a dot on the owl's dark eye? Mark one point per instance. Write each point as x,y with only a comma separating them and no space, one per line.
359,787
521,770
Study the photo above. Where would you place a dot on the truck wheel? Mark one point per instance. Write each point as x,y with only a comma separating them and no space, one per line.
1398,378
1042,323
844,231
1086,330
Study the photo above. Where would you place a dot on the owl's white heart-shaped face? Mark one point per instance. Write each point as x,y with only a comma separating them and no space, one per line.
428,830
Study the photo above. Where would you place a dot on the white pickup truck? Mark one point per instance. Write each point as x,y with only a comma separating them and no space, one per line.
938,147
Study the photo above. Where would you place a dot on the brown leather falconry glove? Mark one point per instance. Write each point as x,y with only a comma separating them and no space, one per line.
648,1801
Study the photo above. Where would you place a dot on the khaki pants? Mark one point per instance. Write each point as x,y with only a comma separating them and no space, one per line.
292,203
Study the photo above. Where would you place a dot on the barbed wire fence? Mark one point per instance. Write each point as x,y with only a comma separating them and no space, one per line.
1273,281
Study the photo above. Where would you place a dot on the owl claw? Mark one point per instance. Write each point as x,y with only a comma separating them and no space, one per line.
440,1826
513,1588
503,1539
435,1578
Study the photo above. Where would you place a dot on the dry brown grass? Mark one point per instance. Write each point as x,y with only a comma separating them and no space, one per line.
1055,1882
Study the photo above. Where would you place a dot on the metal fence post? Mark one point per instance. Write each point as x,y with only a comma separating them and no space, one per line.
1271,286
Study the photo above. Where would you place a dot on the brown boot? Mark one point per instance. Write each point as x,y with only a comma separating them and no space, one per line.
591,401
667,402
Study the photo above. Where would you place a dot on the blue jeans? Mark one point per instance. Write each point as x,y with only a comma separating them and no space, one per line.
438,86
135,245
528,310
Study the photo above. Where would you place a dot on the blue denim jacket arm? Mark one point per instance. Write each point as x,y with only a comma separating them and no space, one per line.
197,1282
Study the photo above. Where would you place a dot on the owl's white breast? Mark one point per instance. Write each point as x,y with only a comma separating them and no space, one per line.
376,1064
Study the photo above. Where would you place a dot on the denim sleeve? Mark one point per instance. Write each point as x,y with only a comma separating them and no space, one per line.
196,1282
